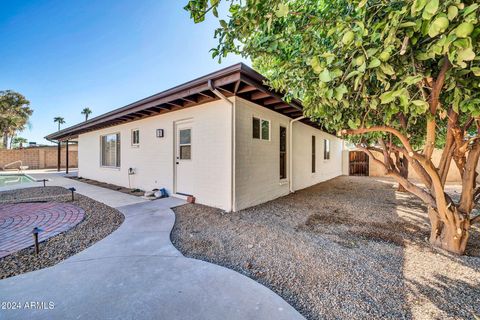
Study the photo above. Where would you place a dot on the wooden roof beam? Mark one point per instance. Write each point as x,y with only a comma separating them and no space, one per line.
282,106
246,88
260,95
271,101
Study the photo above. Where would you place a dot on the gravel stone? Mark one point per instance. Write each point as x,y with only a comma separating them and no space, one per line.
348,248
99,221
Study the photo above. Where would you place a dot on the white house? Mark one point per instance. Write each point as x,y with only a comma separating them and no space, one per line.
224,138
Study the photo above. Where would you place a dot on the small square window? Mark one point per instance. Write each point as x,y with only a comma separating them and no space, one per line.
135,137
260,129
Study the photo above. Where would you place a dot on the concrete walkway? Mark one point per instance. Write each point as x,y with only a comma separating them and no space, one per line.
136,273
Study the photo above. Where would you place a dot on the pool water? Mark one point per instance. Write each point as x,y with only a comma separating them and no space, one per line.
11,179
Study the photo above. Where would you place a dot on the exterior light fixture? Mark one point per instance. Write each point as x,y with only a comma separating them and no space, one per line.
73,190
160,133
35,233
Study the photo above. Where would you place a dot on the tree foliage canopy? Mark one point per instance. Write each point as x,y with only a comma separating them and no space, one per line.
397,77
14,114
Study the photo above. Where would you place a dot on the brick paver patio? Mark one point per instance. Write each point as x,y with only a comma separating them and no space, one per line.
18,220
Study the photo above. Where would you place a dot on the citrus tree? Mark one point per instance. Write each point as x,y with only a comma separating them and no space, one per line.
397,77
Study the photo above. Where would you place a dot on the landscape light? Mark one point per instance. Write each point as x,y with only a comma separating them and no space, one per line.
35,233
73,190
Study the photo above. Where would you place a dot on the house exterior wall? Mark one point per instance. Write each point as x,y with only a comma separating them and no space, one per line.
302,156
153,159
257,163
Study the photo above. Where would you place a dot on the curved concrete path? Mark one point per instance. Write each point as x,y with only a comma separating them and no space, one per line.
136,273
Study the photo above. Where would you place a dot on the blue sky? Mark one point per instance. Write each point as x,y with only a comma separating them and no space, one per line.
67,55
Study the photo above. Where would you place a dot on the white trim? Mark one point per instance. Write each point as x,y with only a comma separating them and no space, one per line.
260,128
132,144
119,155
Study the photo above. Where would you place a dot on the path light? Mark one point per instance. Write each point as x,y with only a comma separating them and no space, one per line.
73,190
44,180
35,233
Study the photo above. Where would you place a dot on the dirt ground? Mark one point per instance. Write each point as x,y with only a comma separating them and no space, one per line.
348,248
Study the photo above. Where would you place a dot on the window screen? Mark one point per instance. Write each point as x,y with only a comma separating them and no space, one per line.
283,153
326,149
110,150
314,160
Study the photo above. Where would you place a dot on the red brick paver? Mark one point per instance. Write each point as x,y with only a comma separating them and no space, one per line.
17,221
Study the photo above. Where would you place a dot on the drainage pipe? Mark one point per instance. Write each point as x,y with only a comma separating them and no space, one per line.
290,149
232,144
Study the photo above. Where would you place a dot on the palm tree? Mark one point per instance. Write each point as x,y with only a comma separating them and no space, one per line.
19,141
60,121
86,112
14,114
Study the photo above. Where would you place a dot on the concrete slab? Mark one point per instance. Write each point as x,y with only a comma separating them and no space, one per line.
136,273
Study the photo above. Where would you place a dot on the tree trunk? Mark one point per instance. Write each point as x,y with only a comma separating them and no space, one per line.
403,168
452,235
5,140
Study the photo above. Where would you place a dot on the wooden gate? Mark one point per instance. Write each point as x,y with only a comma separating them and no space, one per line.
358,163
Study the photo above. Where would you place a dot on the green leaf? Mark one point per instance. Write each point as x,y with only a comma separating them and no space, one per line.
362,3
412,79
452,12
325,76
420,103
476,71
430,9
465,55
340,91
407,24
387,69
438,26
417,6
464,30
470,9
348,37
374,63
352,74
282,10
387,97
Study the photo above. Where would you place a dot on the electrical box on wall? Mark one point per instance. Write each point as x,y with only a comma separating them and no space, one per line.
160,133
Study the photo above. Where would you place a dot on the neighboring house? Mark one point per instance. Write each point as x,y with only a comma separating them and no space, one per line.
225,138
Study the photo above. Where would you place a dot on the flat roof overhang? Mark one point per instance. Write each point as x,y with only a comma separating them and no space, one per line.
236,80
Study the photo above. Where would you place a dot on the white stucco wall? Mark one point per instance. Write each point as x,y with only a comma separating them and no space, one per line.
257,161
302,156
153,160
257,164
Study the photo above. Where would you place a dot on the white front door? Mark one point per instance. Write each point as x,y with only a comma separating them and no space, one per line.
184,157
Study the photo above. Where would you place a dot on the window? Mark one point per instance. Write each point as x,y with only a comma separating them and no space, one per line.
256,128
283,153
326,149
313,154
110,150
260,129
185,144
135,137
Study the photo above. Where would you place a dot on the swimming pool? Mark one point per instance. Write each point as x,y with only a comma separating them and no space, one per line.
11,179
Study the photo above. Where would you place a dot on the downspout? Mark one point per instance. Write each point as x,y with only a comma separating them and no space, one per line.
232,145
290,149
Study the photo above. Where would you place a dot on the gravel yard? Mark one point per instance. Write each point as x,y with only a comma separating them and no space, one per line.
100,220
349,248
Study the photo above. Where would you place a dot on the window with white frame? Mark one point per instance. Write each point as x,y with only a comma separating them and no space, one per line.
135,137
260,129
326,149
110,150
